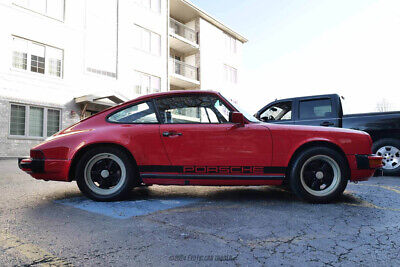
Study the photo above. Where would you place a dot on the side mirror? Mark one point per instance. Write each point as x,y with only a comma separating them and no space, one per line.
236,118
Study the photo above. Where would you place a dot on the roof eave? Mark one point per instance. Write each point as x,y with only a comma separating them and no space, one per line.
215,22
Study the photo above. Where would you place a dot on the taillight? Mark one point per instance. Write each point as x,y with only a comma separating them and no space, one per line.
375,162
37,154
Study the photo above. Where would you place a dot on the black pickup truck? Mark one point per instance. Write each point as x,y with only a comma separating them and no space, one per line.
326,110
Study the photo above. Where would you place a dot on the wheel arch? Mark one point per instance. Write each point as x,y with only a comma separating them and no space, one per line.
311,144
384,140
78,155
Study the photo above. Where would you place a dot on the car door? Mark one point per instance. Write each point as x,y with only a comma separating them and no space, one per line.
199,138
317,112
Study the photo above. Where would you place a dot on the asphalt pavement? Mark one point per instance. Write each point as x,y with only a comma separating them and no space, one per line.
51,223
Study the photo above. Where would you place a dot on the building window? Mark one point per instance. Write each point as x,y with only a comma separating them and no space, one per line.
230,44
147,41
19,60
41,121
154,5
37,58
230,74
17,122
102,72
20,53
51,8
54,62
36,121
53,121
146,84
43,59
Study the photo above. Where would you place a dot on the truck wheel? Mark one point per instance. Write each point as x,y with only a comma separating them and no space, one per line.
318,175
389,149
105,174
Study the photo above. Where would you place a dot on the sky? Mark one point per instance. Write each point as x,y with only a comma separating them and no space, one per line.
308,47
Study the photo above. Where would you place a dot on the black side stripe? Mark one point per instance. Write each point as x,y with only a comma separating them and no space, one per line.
214,177
179,169
274,169
160,168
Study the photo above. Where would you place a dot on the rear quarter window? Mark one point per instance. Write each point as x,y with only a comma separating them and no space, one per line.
314,109
139,113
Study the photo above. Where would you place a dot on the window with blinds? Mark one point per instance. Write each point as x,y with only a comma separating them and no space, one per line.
33,121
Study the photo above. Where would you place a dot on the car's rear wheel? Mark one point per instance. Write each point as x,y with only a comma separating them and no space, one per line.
318,175
389,149
105,174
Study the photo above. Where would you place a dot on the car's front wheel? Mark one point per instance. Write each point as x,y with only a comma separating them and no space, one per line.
318,175
105,174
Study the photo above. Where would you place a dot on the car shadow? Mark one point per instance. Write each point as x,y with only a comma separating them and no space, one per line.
238,194
229,193
212,193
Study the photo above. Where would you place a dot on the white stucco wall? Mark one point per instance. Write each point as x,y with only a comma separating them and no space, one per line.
84,46
20,86
213,56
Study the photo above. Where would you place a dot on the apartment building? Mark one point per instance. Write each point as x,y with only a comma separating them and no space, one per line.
66,60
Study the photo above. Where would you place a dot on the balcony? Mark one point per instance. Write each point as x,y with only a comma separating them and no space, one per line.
183,75
182,38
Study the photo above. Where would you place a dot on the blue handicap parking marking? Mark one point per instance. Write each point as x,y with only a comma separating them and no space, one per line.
126,209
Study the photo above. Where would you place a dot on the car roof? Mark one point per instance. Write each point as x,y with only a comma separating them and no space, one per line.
154,95
172,93
306,97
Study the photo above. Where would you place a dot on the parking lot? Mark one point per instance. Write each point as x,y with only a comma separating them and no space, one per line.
52,223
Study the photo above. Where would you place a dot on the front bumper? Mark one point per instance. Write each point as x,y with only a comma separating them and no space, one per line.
368,162
46,169
363,167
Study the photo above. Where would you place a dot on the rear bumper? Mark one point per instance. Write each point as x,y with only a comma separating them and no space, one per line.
45,169
364,166
31,165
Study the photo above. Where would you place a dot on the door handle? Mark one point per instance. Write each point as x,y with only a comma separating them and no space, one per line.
167,134
327,123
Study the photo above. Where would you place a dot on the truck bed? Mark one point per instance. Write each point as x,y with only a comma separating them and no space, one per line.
372,114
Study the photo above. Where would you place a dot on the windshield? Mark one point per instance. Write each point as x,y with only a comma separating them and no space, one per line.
247,115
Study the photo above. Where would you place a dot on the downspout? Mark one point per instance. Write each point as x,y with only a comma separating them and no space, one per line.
168,16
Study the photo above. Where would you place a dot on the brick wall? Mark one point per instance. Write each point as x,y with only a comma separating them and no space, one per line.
20,146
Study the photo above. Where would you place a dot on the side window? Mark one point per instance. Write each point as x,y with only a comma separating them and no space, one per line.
278,112
222,110
314,109
192,109
140,113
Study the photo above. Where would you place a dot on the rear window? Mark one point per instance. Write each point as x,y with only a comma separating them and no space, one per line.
314,109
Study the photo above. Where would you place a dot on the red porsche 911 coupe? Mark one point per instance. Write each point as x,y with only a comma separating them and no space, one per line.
199,138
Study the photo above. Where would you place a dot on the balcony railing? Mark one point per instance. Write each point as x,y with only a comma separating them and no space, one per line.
184,69
183,30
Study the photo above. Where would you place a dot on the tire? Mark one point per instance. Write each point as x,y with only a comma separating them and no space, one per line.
318,175
389,149
105,174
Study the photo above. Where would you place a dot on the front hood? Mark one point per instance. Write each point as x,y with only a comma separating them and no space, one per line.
307,128
350,141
